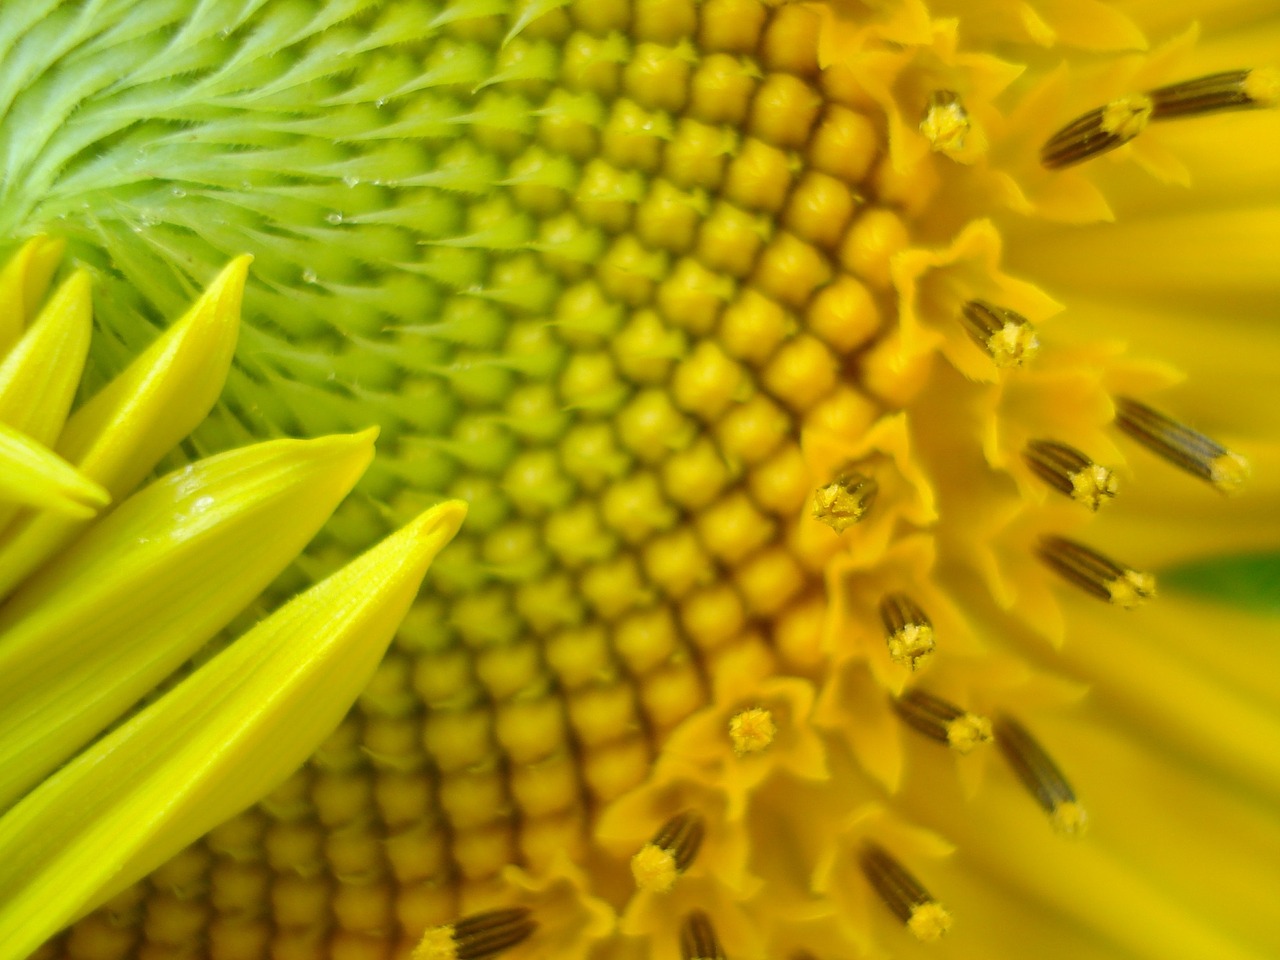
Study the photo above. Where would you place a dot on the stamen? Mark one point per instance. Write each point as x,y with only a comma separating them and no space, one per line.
845,501
476,937
1096,574
907,630
1067,469
903,894
669,854
752,730
1008,337
1182,446
1097,132
698,938
1041,776
946,122
1230,90
943,721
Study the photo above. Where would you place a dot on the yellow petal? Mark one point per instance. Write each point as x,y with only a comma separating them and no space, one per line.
123,431
87,637
31,473
38,378
212,745
120,434
23,284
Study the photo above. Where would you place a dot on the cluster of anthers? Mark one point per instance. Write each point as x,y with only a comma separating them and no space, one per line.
1010,341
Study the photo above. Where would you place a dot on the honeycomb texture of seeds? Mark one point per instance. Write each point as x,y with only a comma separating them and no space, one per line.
699,218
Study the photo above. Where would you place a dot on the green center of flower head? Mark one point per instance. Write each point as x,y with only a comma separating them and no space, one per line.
697,305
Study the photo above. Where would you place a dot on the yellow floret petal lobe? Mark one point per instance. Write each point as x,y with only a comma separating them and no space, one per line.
32,474
121,432
211,746
85,638
23,283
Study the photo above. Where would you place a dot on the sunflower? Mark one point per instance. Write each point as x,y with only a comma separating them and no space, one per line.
835,389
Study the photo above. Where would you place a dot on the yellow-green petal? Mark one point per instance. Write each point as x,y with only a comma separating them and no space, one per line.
87,637
23,283
39,376
123,431
32,474
212,745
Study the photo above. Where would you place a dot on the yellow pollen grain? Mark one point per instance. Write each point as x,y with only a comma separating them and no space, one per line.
844,144
911,645
1229,472
1132,589
929,921
695,477
1093,486
945,124
869,246
844,314
721,89
436,944
753,326
654,869
967,731
1128,116
731,25
1070,819
730,238
752,731
1262,86
1013,344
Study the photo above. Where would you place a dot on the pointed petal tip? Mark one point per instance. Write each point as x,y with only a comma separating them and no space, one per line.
219,303
78,283
371,433
359,445
441,523
233,276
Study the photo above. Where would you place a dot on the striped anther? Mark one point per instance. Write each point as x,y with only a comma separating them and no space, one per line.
1069,471
908,630
942,720
478,936
1183,447
845,501
1097,574
1097,132
672,850
1229,90
681,836
903,894
698,938
1040,775
1006,336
